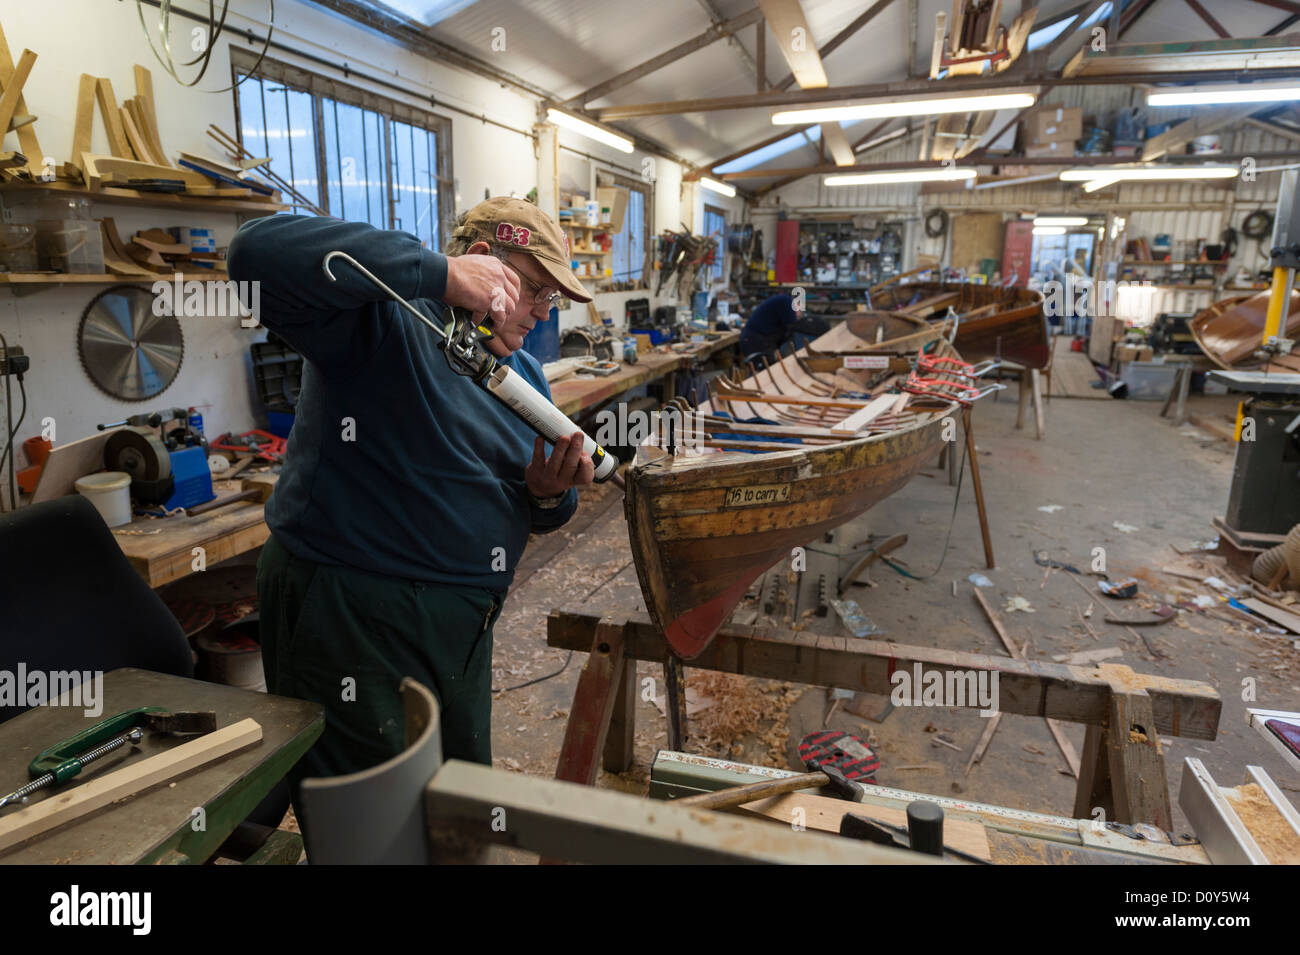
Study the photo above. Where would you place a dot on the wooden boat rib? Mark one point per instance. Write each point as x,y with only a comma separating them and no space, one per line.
992,322
706,523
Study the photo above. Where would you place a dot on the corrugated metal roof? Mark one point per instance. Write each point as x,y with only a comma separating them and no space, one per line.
567,46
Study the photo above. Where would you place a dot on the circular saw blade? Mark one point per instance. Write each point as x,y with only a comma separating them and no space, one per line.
129,352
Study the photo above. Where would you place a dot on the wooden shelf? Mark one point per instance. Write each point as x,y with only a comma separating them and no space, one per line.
566,224
162,200
1216,264
589,252
76,278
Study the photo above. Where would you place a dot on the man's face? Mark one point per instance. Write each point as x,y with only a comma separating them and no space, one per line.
510,330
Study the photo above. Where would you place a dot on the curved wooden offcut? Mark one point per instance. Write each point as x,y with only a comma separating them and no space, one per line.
1231,330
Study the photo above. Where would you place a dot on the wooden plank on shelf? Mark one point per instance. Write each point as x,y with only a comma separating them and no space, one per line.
149,112
27,141
98,166
138,145
116,259
135,778
84,124
117,143
13,89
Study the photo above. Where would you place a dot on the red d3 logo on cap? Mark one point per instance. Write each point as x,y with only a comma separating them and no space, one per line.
512,235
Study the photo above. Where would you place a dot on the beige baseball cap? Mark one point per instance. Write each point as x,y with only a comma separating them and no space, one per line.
521,226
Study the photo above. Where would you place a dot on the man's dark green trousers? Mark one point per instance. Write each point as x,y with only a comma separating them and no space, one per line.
345,639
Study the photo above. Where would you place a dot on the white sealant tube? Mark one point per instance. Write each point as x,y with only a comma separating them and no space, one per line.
546,419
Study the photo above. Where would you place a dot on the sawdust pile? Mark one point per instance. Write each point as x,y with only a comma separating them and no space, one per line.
743,711
1275,837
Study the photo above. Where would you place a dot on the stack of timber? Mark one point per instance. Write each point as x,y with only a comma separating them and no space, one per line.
775,458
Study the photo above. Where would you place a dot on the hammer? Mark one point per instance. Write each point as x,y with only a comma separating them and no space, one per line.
252,489
739,795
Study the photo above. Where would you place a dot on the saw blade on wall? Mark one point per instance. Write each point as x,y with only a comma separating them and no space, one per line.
129,352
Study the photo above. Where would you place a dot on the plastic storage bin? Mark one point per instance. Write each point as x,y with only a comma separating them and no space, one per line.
70,245
18,248
1148,380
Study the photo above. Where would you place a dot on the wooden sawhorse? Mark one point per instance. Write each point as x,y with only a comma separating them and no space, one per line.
1122,770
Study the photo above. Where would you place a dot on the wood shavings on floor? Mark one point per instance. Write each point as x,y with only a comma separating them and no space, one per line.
743,711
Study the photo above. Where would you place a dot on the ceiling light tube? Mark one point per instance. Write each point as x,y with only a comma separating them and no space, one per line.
883,109
589,129
1147,173
1049,230
1223,93
721,188
886,177
1060,220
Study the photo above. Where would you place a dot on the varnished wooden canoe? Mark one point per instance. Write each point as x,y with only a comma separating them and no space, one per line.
1231,330
992,322
704,526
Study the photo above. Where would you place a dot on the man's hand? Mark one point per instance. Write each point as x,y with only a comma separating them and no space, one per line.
567,467
481,284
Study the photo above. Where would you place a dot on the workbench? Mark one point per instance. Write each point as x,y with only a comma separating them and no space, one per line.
161,549
156,826
577,394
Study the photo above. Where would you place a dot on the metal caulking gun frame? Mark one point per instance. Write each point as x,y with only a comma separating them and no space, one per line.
462,343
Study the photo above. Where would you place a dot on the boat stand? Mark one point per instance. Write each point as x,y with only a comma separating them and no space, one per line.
1122,772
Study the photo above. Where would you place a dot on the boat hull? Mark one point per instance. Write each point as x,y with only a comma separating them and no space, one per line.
1017,332
704,530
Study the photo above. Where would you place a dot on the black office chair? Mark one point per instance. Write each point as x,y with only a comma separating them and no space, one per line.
70,600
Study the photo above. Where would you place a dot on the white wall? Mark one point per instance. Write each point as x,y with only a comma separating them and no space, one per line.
108,41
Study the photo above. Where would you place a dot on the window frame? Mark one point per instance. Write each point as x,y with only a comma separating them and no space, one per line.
606,177
721,251
321,88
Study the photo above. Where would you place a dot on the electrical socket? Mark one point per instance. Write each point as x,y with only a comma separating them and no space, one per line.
13,361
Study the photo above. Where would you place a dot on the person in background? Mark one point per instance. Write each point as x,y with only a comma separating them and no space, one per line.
773,323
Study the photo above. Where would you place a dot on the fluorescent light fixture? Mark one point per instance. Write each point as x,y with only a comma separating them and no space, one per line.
883,109
1224,93
1060,220
721,188
881,140
584,128
1049,230
1109,174
886,177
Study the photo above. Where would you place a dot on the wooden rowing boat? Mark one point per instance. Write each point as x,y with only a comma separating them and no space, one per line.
707,522
1231,331
992,322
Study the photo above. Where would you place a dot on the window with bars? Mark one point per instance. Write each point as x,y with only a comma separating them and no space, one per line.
631,245
353,154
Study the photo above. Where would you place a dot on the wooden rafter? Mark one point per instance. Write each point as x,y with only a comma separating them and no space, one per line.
698,42
1287,5
1204,14
836,41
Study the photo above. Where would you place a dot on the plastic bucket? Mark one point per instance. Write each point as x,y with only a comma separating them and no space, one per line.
110,492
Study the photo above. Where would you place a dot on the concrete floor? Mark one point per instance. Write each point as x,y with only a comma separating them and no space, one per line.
1102,462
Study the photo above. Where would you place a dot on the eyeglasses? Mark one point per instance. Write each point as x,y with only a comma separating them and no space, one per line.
540,292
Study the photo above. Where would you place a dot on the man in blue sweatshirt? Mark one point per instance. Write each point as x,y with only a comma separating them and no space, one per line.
408,492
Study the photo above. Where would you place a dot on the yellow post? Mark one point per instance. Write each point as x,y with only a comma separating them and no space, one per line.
1279,297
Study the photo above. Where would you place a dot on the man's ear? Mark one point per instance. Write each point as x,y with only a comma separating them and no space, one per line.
479,248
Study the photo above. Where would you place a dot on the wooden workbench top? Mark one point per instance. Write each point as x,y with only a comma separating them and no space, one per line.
145,827
161,549
576,394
